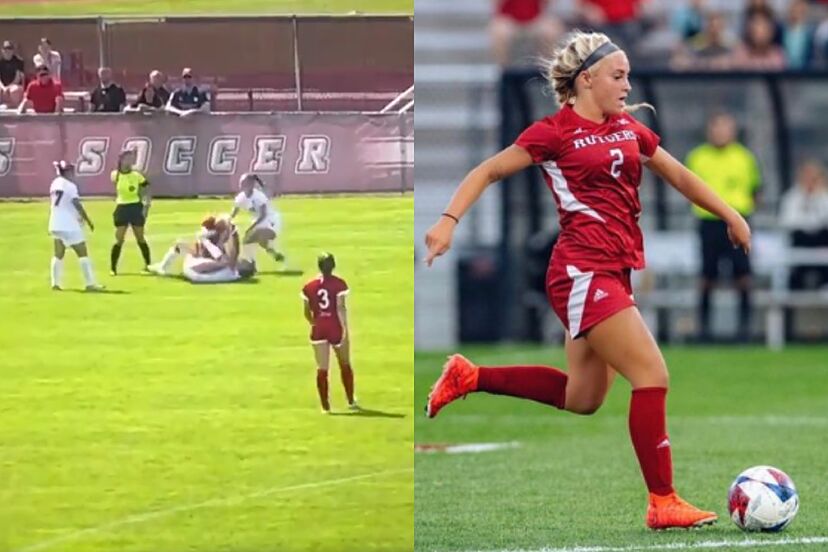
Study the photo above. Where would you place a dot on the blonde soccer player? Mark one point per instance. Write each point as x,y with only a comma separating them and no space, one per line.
266,225
591,154
65,217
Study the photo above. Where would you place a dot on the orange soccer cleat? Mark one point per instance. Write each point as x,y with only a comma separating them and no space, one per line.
669,511
458,379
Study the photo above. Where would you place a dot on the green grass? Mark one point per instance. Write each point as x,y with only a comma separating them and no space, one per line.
575,481
198,403
169,7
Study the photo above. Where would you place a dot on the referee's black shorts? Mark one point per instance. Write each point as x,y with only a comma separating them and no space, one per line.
716,246
129,214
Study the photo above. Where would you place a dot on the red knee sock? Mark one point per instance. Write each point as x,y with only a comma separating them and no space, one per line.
347,381
322,387
648,429
538,383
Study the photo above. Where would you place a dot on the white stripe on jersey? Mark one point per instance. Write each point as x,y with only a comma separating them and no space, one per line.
577,298
568,200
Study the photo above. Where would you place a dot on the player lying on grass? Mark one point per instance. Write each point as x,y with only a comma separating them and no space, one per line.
213,257
325,311
591,153
65,217
267,221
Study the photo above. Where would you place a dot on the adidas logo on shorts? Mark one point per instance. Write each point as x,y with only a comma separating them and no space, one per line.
599,294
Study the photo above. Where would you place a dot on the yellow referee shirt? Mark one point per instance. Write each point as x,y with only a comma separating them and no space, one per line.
731,171
128,186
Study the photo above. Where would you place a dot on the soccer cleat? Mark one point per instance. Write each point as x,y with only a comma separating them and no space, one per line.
57,288
113,272
458,379
353,406
95,287
156,269
671,511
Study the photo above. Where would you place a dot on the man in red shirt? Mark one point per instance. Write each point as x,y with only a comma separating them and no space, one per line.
325,311
43,94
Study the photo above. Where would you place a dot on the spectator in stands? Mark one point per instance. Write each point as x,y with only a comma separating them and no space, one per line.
804,214
763,7
11,76
158,79
513,18
188,99
758,52
709,49
44,94
148,100
732,171
688,20
107,97
798,37
48,57
618,19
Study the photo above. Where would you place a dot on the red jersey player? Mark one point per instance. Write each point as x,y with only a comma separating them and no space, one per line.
325,311
591,153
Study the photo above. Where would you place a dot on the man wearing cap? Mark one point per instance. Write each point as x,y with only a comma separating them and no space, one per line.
188,99
11,76
107,97
43,94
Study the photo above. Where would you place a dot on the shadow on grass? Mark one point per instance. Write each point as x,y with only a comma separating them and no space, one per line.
368,413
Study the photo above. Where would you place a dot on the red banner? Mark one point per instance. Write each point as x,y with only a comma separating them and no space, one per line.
205,154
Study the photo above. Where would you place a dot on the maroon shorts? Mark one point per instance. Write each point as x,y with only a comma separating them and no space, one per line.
582,299
326,330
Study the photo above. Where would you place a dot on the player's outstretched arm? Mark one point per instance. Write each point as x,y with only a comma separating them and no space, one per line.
499,166
146,197
79,207
693,188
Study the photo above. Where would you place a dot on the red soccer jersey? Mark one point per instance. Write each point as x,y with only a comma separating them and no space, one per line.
617,11
522,11
44,98
594,171
321,293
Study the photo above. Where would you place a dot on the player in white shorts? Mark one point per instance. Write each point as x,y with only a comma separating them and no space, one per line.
65,217
211,258
267,221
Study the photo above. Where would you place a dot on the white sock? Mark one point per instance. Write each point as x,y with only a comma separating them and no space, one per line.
169,258
86,270
57,271
249,251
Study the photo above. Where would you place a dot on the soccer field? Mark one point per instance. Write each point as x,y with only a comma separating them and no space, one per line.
572,483
21,8
169,417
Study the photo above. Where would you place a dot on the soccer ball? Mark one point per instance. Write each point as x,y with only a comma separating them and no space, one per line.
762,498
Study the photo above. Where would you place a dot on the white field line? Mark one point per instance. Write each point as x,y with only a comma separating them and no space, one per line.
464,448
698,545
216,502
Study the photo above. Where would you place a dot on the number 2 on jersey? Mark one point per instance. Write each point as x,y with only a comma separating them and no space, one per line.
58,197
618,156
324,301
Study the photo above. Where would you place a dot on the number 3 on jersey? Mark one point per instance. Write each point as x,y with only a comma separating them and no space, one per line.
324,301
618,160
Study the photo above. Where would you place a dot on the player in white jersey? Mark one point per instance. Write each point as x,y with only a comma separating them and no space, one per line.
267,221
65,217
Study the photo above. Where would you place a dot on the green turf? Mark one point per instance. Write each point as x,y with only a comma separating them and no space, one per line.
574,481
165,395
169,7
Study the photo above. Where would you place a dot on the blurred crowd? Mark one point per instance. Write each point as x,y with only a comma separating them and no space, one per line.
40,89
761,35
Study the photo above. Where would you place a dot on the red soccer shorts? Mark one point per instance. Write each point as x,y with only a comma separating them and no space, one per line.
326,330
583,299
